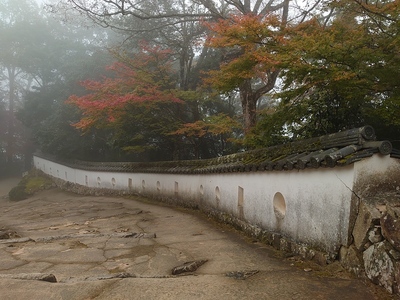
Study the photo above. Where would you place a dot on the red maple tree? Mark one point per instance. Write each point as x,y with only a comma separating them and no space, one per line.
144,79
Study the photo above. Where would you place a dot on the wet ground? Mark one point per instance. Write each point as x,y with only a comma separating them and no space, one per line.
117,248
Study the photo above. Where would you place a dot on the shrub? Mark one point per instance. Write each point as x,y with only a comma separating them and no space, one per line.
30,184
35,184
18,193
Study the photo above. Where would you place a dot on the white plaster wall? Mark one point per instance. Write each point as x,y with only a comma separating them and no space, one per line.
377,165
317,200
55,169
379,173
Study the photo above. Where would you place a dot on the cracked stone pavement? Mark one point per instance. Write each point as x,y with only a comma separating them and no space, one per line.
81,241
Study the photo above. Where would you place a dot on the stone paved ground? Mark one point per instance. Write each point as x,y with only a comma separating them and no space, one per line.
80,241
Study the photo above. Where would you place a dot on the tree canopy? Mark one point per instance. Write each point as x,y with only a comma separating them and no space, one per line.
341,74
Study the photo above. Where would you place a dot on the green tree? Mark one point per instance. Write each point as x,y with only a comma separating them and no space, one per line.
62,54
17,18
49,119
338,74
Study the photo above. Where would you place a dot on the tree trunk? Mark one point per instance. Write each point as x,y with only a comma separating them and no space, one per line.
249,105
10,122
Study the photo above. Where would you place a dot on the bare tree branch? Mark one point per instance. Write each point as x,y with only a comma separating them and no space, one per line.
135,12
307,12
272,77
363,5
239,6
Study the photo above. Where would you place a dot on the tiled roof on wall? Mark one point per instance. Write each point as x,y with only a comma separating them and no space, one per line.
338,149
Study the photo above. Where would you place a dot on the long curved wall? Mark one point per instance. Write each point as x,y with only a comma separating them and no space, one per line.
311,206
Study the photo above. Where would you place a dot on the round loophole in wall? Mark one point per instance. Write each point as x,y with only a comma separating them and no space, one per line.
279,205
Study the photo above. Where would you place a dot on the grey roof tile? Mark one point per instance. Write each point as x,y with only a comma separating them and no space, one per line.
332,150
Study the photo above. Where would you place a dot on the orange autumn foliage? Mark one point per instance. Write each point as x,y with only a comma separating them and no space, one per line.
249,44
142,80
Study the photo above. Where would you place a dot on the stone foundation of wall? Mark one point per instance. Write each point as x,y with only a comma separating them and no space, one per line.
375,251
